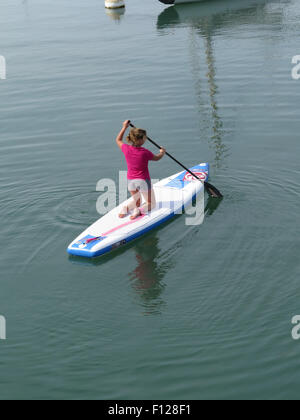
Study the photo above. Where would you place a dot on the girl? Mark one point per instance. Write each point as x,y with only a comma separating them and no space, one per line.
139,181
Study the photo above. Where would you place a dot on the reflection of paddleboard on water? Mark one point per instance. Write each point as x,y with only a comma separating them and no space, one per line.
147,277
110,232
154,262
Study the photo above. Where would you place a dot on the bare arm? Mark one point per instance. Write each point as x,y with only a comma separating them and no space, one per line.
162,153
119,139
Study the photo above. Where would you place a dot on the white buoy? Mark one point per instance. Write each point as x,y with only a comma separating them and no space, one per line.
114,4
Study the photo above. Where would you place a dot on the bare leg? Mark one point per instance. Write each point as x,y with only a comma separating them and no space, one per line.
134,204
150,204
136,199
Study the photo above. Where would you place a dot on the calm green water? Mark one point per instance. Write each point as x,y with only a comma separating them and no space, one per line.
185,313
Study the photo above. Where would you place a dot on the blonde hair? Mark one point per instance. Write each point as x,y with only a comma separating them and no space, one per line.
135,136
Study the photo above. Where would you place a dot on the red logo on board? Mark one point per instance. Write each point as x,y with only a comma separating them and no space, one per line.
201,175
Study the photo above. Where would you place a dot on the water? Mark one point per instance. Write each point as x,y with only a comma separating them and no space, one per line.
196,313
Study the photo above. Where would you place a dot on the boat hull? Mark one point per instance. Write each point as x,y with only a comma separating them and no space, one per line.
179,1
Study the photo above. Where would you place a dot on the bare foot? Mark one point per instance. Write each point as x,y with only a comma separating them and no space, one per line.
124,213
137,213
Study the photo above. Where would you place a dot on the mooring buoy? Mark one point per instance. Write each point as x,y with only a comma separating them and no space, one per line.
114,4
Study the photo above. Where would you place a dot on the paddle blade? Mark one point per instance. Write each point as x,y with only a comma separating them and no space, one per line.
212,191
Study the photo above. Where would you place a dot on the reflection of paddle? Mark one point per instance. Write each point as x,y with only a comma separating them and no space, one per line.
212,191
211,206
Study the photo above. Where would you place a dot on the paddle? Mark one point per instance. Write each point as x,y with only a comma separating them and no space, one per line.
211,190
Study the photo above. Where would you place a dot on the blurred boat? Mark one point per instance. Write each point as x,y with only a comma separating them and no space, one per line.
197,11
178,1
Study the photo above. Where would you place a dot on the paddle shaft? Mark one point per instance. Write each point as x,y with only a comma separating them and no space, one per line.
172,157
212,191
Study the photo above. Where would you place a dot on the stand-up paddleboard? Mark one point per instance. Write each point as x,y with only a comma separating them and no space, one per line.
172,194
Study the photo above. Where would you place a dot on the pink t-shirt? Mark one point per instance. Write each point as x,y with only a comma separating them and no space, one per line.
137,159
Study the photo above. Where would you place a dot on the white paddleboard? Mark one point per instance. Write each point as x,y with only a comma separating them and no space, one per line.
172,194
